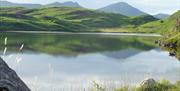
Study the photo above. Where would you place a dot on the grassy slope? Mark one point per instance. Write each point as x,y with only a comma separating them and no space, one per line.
161,26
174,35
133,27
64,19
168,29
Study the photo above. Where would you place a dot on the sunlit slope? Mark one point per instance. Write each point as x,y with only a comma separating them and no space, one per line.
161,26
64,19
171,30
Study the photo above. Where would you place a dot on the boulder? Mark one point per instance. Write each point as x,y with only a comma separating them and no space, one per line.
172,53
148,82
9,81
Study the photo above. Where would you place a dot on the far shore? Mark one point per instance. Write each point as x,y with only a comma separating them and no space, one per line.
89,33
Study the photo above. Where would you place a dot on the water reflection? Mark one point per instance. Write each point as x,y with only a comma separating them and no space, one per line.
66,44
73,62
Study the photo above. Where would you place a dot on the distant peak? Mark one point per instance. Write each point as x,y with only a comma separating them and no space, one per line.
64,4
122,8
161,14
122,3
3,1
56,3
70,2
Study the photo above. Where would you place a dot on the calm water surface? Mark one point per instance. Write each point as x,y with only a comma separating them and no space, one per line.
68,62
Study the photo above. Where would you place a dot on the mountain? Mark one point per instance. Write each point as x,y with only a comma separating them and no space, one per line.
161,16
65,4
65,19
122,8
55,4
10,4
58,19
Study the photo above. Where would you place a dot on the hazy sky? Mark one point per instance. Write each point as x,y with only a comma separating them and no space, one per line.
149,6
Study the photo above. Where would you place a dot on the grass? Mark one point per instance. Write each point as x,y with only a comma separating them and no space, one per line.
163,85
160,86
161,26
166,27
66,19
172,34
116,30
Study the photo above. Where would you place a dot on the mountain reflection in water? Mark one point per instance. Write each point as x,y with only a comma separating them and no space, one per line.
64,62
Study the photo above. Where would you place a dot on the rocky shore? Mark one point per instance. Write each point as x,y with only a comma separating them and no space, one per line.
171,45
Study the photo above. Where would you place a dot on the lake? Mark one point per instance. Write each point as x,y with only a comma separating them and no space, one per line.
73,62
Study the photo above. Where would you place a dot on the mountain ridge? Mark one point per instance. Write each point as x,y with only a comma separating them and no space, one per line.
12,4
29,5
122,8
64,4
161,16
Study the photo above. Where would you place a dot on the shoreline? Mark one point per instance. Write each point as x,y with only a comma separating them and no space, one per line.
88,33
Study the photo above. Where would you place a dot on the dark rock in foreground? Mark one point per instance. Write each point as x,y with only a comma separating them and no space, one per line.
9,81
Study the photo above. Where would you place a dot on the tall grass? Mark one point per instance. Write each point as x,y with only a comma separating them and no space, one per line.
163,85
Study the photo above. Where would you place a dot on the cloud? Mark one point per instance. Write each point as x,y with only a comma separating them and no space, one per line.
157,6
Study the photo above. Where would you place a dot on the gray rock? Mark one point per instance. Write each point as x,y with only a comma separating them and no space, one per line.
148,82
9,81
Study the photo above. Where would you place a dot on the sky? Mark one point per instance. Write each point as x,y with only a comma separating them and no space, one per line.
148,6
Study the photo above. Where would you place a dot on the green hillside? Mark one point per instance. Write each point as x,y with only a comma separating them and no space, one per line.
64,19
171,30
161,26
139,20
